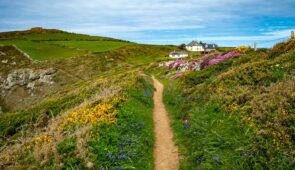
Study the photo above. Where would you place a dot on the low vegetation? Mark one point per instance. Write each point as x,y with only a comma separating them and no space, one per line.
110,128
43,44
238,114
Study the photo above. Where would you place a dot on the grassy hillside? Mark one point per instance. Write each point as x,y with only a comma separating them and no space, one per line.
75,57
43,51
96,114
93,46
238,114
44,44
102,123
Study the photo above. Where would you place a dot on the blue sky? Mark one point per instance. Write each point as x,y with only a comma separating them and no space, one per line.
225,22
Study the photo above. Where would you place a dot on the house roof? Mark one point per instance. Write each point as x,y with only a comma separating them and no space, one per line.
194,43
210,46
206,46
178,52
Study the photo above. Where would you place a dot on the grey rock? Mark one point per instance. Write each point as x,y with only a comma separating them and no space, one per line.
31,85
2,53
4,61
34,76
50,71
27,78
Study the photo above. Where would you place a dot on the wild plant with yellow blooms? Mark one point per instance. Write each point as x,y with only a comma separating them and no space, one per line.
102,112
242,49
44,139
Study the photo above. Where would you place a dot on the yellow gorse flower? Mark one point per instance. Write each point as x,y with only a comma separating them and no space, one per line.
103,112
39,140
242,49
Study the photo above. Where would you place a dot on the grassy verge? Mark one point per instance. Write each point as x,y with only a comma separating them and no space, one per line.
208,137
237,114
111,128
129,143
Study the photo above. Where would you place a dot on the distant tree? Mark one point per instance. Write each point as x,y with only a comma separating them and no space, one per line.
182,46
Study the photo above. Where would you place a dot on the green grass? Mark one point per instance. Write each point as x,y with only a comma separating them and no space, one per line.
129,143
237,114
93,46
126,144
61,45
64,36
144,59
43,51
208,138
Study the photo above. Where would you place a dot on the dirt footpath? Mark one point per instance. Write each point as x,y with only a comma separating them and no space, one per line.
165,151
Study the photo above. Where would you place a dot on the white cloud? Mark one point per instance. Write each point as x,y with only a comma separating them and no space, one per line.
266,40
133,19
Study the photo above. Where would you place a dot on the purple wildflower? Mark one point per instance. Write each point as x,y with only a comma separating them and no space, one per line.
109,155
122,157
216,158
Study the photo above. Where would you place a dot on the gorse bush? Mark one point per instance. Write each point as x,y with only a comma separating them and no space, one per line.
103,112
282,48
237,114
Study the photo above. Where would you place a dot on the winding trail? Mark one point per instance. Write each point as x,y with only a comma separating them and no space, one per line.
165,151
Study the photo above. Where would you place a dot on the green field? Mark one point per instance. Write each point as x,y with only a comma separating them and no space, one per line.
43,51
53,50
65,36
93,46
60,45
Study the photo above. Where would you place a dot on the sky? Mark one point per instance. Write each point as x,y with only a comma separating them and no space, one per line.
224,22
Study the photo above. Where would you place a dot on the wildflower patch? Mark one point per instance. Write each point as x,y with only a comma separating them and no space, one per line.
197,64
102,112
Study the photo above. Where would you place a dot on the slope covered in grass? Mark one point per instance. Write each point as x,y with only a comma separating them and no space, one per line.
102,123
43,51
238,114
93,46
44,44
96,114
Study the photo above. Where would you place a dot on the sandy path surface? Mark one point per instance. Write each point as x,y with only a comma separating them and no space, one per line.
165,151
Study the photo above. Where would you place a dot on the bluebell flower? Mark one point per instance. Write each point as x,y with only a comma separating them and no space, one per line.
122,157
200,159
186,125
109,155
122,151
113,158
101,168
216,158
148,93
123,143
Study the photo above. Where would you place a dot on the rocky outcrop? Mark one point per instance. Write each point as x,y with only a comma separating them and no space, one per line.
27,78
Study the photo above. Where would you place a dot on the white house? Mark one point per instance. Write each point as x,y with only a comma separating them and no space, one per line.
200,47
195,46
178,54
